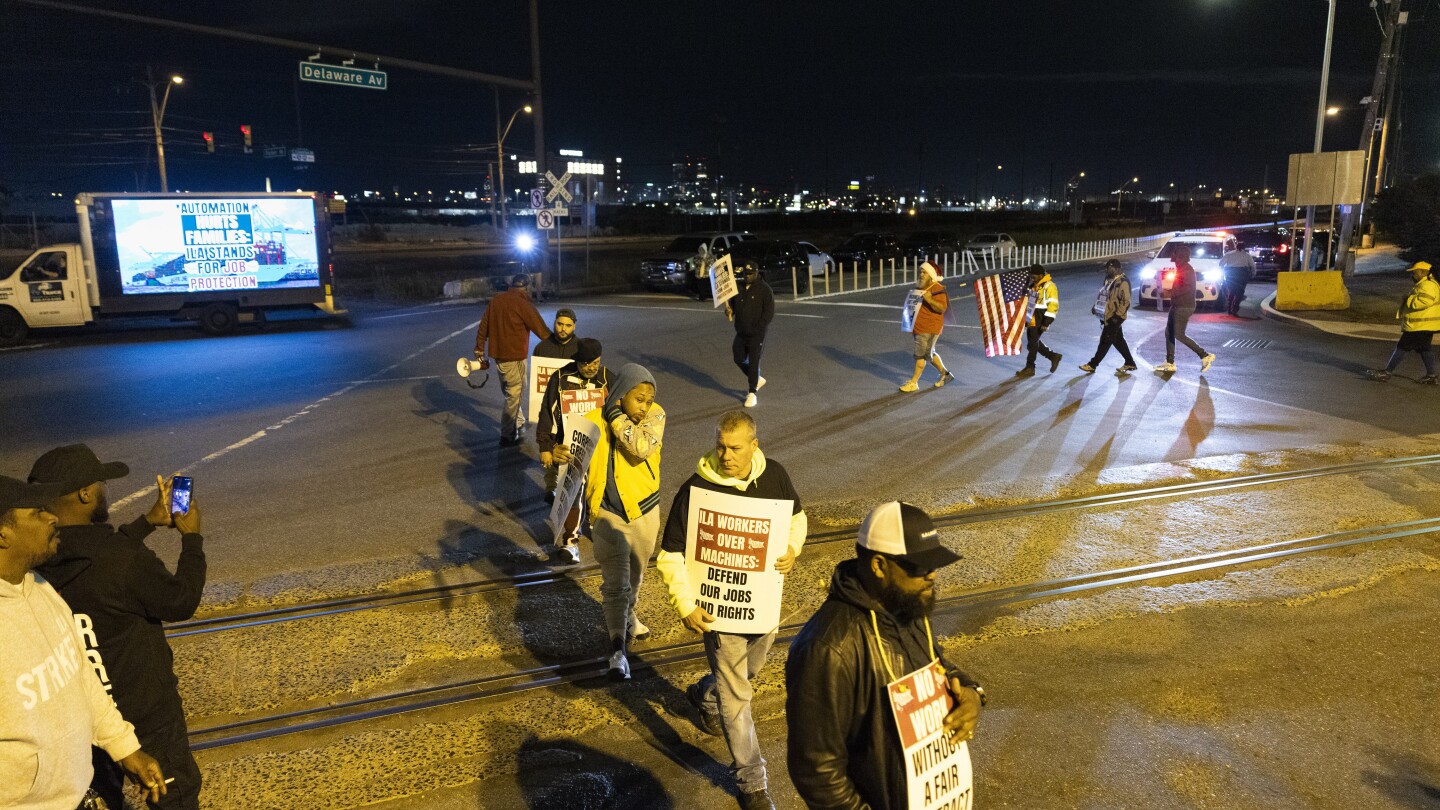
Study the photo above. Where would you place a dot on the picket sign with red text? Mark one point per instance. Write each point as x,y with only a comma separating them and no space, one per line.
937,773
540,370
731,546
582,435
580,401
910,309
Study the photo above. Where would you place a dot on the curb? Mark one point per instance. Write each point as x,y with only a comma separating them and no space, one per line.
1358,331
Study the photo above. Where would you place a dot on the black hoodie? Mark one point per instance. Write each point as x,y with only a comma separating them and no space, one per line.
844,749
114,582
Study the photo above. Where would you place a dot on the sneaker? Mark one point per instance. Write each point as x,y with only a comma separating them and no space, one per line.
1028,371
944,378
908,386
567,553
751,399
1428,379
1166,368
758,800
759,383
1127,368
619,666
709,721
1378,375
1205,362
638,630
1087,368
1055,362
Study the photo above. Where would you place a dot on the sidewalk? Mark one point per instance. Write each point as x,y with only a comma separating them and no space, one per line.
1376,290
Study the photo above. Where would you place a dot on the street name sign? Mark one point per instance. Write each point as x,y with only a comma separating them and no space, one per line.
347,76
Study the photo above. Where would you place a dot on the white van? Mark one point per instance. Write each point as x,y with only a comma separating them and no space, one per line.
1205,252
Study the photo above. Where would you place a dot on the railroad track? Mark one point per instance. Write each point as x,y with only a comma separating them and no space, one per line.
543,577
655,658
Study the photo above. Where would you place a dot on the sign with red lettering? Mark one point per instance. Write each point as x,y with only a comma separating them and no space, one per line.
582,437
578,402
937,772
731,545
540,370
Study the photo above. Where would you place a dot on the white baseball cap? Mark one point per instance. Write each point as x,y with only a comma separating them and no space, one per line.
904,531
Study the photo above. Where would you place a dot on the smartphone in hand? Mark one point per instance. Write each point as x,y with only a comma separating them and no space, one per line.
180,486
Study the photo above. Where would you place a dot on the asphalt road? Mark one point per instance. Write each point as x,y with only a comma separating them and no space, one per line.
330,458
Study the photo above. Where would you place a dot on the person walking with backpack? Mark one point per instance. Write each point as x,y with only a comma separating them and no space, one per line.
1420,317
1112,306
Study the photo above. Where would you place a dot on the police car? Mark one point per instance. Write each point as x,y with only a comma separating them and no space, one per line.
1206,248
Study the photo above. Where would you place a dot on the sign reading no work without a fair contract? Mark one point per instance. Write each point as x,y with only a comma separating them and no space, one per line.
937,771
583,435
722,281
347,76
730,550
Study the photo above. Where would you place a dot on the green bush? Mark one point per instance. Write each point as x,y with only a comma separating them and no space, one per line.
1409,213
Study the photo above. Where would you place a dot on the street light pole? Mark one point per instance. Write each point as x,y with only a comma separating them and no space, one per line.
157,117
1320,121
1120,193
500,148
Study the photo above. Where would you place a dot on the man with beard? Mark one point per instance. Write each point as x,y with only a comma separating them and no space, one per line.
121,593
844,745
52,705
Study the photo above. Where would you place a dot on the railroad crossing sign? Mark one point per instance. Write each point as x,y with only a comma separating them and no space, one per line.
537,198
558,187
544,219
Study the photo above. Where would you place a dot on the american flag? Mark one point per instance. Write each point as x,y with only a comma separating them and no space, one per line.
1002,300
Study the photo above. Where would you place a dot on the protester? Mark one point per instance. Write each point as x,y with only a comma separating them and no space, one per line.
844,746
1238,268
735,466
1420,317
122,591
562,342
58,708
1182,307
1044,305
506,327
700,272
1112,306
752,309
929,323
622,491
585,373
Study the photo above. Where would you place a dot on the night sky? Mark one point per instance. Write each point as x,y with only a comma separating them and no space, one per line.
781,95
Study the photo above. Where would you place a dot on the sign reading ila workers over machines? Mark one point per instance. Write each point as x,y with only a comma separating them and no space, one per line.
730,551
937,772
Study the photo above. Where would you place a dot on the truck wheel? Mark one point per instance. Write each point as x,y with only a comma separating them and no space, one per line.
218,319
13,328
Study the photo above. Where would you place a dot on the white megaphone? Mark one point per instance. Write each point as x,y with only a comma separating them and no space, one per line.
465,367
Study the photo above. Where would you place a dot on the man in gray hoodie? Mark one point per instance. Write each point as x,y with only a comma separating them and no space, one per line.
735,466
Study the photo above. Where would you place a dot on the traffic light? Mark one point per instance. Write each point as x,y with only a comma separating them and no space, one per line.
245,130
209,141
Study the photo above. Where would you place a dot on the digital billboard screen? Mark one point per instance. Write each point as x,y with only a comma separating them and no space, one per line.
215,244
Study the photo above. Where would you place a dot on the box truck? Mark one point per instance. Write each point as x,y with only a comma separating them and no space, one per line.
217,259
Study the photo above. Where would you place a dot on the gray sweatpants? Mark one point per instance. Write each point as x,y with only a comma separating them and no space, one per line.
623,550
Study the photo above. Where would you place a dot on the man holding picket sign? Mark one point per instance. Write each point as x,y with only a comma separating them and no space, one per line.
924,316
734,531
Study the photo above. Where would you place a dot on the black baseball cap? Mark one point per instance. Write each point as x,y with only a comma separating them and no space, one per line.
903,531
16,494
76,466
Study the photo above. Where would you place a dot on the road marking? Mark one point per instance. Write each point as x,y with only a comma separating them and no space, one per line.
396,379
260,434
24,347
428,311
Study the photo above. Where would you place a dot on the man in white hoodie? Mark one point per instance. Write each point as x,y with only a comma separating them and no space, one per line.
735,466
52,705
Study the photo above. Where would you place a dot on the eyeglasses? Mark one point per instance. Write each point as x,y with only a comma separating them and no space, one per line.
913,570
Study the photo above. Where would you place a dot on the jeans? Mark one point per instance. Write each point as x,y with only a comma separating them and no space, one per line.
735,660
622,550
747,356
1112,334
1175,330
1032,339
512,379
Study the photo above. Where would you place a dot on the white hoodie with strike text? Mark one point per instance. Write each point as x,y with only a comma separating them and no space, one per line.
52,704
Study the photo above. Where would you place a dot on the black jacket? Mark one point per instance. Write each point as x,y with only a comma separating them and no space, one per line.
754,308
111,579
551,426
844,749
550,347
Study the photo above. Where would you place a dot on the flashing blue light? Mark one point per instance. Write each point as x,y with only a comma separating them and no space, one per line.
525,242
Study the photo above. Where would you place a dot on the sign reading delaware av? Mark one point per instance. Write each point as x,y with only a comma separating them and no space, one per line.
348,76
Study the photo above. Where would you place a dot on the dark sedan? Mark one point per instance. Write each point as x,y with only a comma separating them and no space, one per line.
924,244
779,260
868,247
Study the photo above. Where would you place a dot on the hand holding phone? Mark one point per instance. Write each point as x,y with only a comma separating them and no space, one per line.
180,488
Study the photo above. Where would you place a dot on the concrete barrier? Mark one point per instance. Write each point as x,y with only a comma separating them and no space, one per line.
1316,289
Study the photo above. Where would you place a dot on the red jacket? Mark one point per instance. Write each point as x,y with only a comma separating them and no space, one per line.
507,325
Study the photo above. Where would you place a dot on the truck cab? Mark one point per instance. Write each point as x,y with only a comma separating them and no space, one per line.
47,289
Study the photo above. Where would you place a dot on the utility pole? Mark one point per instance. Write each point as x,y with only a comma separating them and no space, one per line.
1382,90
1320,126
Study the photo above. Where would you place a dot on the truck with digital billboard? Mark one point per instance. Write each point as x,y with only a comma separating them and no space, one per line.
219,260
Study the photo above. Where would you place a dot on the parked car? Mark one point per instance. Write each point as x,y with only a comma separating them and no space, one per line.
923,244
1270,248
1205,252
995,244
779,259
871,247
673,267
820,261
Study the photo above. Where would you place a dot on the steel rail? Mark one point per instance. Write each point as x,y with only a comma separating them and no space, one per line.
514,683
350,604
